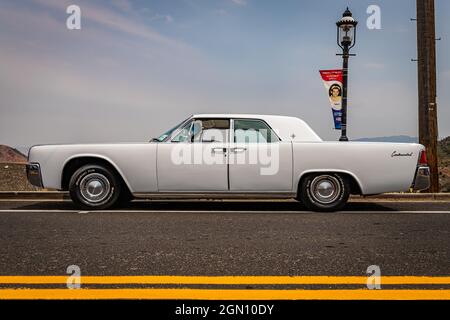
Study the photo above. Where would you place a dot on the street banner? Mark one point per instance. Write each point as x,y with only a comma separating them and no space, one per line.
332,79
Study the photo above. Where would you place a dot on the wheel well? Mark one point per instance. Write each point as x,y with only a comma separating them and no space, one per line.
76,163
355,188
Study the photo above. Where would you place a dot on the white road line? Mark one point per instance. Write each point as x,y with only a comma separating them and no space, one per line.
211,211
367,200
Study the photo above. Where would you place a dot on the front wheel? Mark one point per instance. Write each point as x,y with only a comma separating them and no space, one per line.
324,191
94,187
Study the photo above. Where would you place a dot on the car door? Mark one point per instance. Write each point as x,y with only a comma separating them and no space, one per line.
195,159
258,159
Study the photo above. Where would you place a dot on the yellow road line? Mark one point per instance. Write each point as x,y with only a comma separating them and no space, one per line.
225,280
207,294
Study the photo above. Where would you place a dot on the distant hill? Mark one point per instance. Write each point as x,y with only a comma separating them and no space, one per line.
23,150
402,138
444,164
444,146
11,155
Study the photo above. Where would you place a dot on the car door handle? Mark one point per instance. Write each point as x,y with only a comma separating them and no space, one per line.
236,150
219,150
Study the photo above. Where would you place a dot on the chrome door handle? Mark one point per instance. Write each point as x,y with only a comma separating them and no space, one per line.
219,150
238,149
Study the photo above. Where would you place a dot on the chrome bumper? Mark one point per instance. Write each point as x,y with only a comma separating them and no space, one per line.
422,179
34,174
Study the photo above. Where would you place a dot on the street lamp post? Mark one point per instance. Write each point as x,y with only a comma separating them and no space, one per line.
346,38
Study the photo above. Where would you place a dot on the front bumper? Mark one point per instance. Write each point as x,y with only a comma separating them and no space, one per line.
34,174
422,178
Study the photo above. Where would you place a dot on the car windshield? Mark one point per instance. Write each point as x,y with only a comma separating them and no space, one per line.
168,133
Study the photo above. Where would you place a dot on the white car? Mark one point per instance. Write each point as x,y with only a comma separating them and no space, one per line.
230,155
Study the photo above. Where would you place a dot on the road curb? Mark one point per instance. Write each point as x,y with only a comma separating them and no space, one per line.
38,195
407,196
62,195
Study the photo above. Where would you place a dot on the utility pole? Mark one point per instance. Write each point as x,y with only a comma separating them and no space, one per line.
426,55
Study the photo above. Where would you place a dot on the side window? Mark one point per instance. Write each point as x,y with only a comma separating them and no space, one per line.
253,131
204,130
213,130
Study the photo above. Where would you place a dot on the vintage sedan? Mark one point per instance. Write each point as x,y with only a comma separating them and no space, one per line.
230,155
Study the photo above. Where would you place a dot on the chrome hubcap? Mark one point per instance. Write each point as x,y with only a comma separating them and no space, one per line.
325,189
95,187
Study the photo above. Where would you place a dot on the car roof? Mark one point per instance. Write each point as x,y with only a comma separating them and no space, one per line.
287,128
239,115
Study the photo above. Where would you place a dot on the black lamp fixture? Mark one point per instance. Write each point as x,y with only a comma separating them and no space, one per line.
346,39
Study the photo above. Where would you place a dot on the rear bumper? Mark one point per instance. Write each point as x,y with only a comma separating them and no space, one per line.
421,179
34,174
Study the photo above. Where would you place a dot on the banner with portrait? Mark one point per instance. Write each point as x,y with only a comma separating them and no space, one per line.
332,80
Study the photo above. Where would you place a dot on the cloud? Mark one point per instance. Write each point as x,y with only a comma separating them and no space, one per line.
165,18
221,12
240,2
115,21
444,74
94,67
169,18
375,65
123,5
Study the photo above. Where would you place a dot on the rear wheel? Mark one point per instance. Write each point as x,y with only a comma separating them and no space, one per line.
324,191
94,187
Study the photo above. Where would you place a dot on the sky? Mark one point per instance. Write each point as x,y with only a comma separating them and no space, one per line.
136,68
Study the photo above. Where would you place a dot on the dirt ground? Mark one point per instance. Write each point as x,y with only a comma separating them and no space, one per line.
13,178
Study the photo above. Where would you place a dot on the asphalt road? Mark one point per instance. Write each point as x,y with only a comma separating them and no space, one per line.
225,238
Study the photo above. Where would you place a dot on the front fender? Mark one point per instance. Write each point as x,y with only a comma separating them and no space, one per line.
94,156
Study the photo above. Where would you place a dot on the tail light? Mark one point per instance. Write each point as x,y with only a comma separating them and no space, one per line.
423,158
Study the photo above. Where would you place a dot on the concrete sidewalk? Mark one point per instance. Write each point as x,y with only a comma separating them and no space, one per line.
61,195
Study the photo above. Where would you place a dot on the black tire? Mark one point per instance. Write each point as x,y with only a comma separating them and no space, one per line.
324,192
94,187
125,198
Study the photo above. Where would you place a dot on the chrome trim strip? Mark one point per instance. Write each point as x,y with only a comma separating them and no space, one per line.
216,195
